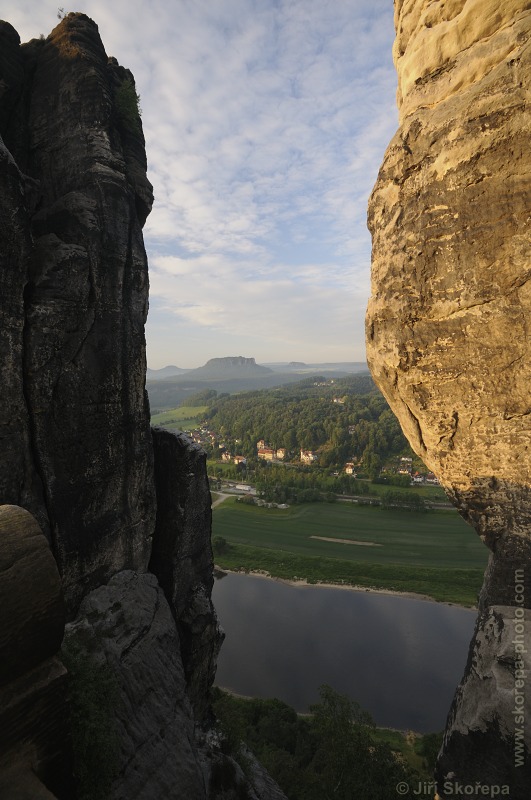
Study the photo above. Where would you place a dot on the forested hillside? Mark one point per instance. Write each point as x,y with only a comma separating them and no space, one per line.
340,419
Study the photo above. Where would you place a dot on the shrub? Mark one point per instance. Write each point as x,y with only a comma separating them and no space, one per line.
127,103
219,545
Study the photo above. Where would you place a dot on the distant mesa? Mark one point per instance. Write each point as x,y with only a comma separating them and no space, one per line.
237,374
221,368
230,367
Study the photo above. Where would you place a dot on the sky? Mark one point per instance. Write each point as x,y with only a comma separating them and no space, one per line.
266,122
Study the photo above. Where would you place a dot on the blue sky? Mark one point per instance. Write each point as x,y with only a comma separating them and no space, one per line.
266,122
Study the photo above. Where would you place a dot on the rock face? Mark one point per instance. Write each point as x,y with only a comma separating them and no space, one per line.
128,623
74,278
34,735
129,626
448,320
182,556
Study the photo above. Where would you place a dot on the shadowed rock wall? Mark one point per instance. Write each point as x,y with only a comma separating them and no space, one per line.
182,556
448,324
74,276
34,732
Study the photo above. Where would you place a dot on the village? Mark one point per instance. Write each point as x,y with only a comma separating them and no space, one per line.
210,440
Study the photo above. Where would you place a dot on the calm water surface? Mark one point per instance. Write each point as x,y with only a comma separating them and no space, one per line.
400,658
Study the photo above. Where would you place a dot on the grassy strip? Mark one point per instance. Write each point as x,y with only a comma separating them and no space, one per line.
434,494
180,418
459,586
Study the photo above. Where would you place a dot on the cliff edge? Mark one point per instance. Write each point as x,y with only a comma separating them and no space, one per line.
448,333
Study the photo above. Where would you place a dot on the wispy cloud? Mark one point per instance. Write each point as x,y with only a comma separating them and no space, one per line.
265,124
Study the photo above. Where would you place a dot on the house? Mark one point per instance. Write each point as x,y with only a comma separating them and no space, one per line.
240,460
226,456
281,453
266,453
308,456
260,444
406,466
349,468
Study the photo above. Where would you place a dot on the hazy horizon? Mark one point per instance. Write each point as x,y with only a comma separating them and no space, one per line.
272,362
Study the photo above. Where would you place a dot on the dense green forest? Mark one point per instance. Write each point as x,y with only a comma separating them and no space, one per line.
335,752
343,419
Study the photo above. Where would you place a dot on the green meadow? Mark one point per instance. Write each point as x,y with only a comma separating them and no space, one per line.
181,418
435,554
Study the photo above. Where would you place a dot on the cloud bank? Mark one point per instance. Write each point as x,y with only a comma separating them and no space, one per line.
265,124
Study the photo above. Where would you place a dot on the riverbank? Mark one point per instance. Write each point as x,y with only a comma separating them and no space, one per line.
435,555
449,586
219,573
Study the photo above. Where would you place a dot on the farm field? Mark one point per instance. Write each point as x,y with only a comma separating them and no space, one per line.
436,554
181,418
435,539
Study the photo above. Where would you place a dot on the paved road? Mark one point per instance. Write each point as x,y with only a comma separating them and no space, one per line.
221,498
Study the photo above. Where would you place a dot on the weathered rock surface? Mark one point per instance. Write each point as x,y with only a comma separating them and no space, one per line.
163,752
496,681
75,418
129,624
34,734
19,479
31,621
448,320
182,556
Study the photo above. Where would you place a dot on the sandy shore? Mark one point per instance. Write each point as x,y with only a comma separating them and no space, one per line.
345,586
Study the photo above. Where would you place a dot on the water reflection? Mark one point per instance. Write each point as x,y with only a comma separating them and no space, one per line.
400,658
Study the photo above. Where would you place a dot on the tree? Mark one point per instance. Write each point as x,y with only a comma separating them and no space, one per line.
408,501
348,762
219,545
331,755
342,729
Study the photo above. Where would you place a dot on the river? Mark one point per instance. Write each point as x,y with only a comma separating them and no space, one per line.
400,658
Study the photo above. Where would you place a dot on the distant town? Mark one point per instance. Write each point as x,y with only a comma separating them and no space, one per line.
264,452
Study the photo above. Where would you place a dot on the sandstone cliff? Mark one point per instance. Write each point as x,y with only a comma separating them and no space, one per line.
34,731
75,415
448,326
125,515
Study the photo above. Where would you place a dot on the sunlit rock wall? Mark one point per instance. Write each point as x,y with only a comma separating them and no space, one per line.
448,318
